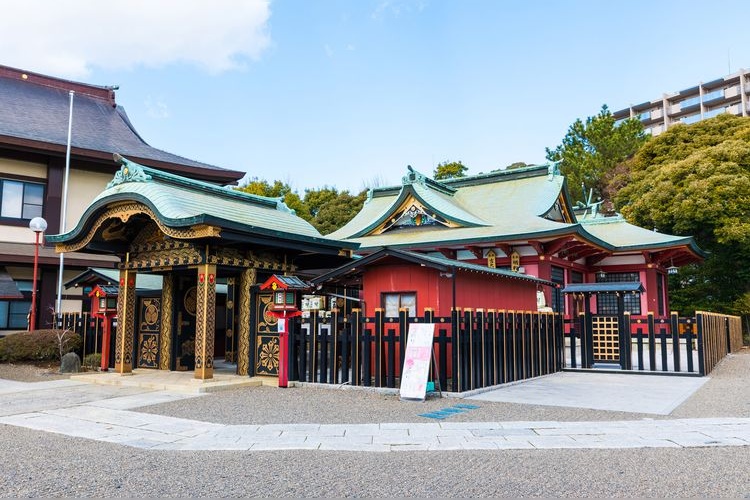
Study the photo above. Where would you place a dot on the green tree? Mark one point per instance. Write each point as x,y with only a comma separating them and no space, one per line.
337,211
449,170
277,190
695,180
590,151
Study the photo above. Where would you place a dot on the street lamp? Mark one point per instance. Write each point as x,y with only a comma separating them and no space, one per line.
38,225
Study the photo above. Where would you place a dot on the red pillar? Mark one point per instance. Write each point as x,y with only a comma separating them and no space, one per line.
106,328
283,351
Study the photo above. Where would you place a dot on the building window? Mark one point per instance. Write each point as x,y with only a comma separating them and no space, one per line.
21,200
558,276
606,303
14,314
392,302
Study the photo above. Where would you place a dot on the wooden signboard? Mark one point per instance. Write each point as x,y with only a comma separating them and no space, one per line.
417,361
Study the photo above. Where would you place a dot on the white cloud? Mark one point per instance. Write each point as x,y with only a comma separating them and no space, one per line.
397,7
69,38
156,108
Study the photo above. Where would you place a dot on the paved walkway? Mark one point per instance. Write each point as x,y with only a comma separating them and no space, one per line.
104,413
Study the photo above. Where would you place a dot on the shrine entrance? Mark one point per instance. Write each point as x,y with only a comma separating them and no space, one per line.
200,238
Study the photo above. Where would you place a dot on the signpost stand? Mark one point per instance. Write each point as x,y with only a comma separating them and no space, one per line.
417,360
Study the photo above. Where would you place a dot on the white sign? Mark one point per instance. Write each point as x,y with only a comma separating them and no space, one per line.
417,361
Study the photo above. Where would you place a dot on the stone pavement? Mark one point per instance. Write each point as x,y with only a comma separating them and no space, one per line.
77,409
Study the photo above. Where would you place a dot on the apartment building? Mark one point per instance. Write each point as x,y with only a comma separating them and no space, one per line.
34,111
728,94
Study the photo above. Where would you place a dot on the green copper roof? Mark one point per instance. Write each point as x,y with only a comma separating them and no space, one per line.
619,233
489,207
178,202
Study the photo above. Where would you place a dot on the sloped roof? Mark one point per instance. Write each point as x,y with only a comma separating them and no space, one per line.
35,110
440,263
143,281
502,205
619,233
181,202
589,288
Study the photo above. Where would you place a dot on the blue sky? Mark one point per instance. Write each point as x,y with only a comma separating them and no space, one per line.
347,93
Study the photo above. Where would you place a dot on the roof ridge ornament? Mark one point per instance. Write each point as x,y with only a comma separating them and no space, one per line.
130,171
415,177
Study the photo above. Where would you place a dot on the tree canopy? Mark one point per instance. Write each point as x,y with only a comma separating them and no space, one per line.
695,180
590,151
450,170
326,208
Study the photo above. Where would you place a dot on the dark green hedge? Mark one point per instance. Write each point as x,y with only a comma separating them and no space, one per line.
39,345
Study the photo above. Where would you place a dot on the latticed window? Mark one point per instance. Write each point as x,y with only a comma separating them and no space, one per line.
392,302
606,303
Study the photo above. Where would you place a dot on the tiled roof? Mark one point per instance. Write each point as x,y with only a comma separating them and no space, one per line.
179,202
500,206
35,110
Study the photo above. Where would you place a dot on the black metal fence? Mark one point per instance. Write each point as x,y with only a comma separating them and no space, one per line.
687,345
90,329
471,348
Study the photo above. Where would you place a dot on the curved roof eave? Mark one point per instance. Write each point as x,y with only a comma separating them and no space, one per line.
100,204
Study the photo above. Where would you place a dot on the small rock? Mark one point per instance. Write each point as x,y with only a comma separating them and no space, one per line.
71,363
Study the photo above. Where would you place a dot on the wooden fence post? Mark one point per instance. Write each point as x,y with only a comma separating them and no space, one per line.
701,350
676,350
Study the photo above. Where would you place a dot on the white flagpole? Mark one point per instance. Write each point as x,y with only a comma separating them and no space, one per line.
64,215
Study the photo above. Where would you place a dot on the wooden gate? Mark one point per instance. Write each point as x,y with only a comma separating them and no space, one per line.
605,333
149,327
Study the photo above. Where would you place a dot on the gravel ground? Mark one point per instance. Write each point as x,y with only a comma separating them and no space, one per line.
49,465
23,372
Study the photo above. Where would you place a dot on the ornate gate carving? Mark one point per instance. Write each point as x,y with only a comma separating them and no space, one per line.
149,327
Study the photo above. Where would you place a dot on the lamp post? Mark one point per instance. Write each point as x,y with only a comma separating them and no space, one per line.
38,225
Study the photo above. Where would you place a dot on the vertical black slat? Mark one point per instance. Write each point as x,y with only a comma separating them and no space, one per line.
304,345
468,324
291,342
429,318
312,346
537,341
356,345
489,357
639,343
390,341
480,348
728,334
494,366
403,333
663,342
443,353
455,347
501,334
324,331
626,349
572,338
527,359
467,379
589,340
689,344
547,361
701,350
676,349
345,349
378,344
510,346
366,353
651,343
518,345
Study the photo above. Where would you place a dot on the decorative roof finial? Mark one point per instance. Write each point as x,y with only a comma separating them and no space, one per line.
129,172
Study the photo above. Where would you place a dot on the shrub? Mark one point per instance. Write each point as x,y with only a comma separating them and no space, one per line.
92,361
39,345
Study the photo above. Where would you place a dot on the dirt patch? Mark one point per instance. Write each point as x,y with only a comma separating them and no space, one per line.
31,372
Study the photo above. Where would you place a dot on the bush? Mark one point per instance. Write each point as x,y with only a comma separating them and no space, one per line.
92,361
39,345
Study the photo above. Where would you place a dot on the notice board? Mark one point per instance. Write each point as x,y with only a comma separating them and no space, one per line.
417,361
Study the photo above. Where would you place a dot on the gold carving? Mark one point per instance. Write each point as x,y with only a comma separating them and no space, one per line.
126,323
190,300
167,292
124,212
205,318
247,279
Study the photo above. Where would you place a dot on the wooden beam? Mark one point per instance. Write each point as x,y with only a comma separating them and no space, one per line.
478,252
447,252
555,246
538,246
